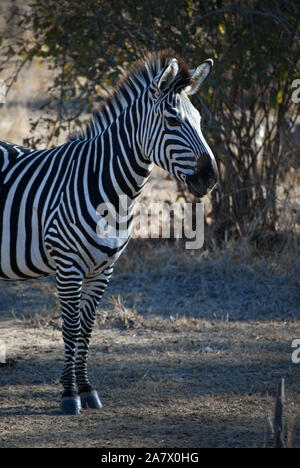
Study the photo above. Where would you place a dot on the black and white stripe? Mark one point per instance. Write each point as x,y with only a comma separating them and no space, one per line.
49,198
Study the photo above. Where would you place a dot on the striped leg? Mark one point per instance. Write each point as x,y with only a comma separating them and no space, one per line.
69,283
92,292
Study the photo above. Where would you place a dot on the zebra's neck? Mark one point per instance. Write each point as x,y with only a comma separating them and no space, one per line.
117,163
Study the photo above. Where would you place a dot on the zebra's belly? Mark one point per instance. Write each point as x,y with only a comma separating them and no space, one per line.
102,256
23,268
28,252
23,254
25,276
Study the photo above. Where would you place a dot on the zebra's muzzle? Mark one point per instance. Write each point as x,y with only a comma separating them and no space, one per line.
197,189
205,179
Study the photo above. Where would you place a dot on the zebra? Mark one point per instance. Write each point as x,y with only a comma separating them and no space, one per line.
49,198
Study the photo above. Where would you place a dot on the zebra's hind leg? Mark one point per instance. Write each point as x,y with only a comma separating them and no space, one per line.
69,283
92,292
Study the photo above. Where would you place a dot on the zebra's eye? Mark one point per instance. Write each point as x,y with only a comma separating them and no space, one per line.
173,121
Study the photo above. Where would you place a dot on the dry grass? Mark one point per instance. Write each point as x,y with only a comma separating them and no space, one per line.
119,315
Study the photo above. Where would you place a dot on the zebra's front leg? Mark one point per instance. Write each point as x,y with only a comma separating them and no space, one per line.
69,284
92,292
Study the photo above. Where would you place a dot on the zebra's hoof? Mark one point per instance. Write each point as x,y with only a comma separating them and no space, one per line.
90,400
71,405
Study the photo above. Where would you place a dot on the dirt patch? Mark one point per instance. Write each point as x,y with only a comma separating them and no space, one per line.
177,356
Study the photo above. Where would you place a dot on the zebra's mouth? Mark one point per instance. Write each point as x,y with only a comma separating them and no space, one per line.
199,190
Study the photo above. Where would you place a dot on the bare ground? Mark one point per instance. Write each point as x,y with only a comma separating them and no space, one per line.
187,351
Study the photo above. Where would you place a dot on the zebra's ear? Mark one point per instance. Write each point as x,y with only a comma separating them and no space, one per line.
168,75
199,75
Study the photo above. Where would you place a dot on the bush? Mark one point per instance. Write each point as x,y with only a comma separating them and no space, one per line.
87,45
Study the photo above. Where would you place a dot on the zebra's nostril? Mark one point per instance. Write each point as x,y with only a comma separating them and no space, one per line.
207,174
201,163
206,169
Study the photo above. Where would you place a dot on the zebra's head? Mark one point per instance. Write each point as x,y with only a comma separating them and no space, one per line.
172,136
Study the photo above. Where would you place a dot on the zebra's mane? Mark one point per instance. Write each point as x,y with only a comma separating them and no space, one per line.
130,87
